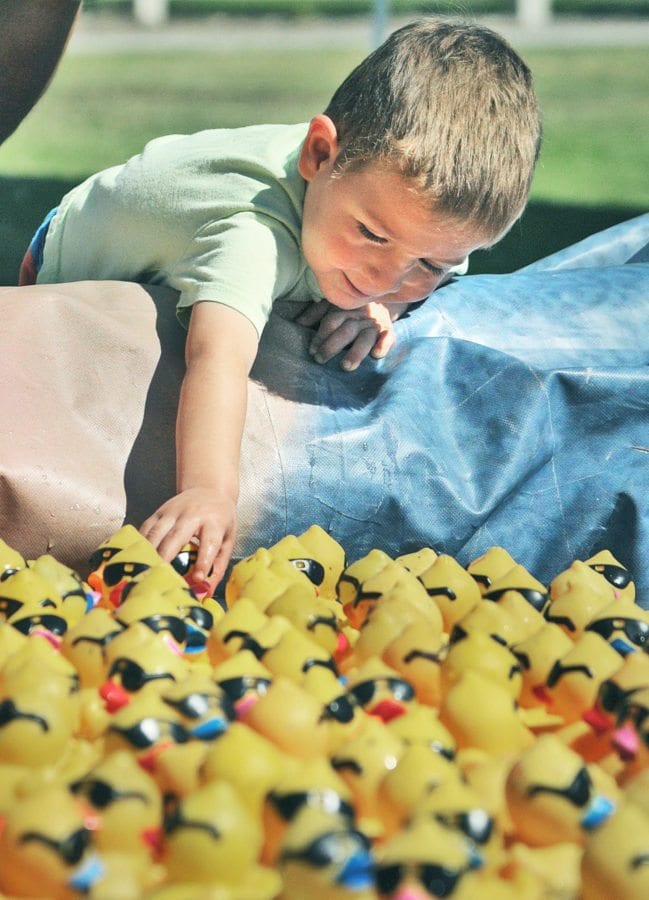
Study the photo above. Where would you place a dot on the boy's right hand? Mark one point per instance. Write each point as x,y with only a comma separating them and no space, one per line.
200,513
366,331
219,351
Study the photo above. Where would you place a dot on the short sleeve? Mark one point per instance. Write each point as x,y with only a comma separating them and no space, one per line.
245,261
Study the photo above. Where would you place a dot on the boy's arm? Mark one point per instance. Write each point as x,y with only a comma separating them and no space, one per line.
220,349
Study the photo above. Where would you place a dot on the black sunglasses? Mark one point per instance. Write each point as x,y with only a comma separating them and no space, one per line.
365,691
438,881
578,791
101,555
70,849
201,617
458,633
328,621
184,560
236,688
174,819
288,805
197,705
158,623
537,599
635,630
558,670
331,847
9,606
9,712
54,624
114,573
614,699
313,570
342,708
360,594
133,676
618,576
637,712
101,794
322,663
476,824
147,732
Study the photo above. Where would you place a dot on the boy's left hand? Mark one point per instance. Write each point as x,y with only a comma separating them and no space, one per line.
366,330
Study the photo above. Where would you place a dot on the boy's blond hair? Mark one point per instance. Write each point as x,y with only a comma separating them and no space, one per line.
453,107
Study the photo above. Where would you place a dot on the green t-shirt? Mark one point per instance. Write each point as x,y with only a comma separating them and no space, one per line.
216,215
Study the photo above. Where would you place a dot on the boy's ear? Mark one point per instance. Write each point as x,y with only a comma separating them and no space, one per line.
320,146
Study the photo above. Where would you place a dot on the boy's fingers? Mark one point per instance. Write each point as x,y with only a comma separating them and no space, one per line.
156,530
213,543
221,560
205,559
342,337
312,314
358,351
383,344
173,542
331,323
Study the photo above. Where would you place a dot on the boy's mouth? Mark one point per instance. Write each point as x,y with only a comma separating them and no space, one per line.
355,292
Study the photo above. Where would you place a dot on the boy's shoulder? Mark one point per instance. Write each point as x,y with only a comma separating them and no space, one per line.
269,146
213,173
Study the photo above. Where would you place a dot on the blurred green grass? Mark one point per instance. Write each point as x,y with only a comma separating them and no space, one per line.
102,108
359,7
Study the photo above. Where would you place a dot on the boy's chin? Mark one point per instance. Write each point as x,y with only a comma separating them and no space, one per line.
341,293
348,303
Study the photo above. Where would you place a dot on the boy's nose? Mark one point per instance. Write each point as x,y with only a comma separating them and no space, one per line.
385,281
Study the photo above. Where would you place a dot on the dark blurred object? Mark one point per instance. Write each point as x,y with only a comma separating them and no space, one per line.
33,36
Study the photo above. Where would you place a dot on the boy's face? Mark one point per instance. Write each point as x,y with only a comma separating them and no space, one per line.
367,235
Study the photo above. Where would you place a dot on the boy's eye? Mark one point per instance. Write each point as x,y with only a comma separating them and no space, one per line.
431,267
365,231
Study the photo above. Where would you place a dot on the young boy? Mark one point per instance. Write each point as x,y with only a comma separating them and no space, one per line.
424,154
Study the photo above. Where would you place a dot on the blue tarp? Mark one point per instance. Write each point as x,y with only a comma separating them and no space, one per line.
514,411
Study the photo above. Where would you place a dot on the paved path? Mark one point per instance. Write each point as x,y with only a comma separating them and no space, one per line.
102,33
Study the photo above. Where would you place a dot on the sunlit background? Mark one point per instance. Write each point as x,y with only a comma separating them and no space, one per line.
135,70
